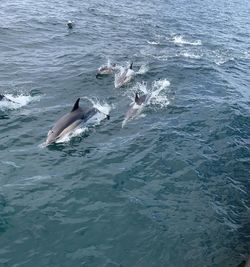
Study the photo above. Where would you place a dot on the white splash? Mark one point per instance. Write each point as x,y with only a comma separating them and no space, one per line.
17,101
158,98
77,132
154,97
179,40
190,55
143,69
153,42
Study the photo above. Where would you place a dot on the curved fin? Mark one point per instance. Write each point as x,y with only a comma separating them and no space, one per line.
137,98
131,65
76,105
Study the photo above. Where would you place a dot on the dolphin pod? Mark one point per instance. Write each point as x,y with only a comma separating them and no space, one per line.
70,121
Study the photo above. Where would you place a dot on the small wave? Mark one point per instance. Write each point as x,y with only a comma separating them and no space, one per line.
153,42
161,57
17,101
10,163
221,61
179,40
221,57
190,55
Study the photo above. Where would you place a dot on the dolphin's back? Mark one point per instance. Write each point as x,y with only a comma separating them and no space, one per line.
73,118
67,120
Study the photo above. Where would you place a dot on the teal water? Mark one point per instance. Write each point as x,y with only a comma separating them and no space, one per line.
171,188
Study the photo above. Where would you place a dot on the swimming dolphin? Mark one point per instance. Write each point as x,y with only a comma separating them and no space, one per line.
125,76
106,70
71,121
137,106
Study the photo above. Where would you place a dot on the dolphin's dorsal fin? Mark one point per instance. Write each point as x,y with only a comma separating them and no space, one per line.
131,66
76,105
137,98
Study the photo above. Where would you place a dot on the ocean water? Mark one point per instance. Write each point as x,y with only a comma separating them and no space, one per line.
170,188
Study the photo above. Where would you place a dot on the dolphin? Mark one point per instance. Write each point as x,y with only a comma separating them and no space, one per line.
71,121
136,108
125,76
106,70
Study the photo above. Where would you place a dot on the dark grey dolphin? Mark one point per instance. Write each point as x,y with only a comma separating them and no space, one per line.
70,121
136,108
139,100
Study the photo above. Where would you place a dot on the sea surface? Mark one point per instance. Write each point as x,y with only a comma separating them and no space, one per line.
171,187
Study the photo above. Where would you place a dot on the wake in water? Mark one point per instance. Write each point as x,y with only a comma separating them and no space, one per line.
179,40
148,97
153,42
16,101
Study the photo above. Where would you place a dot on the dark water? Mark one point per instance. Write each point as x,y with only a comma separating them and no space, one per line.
171,188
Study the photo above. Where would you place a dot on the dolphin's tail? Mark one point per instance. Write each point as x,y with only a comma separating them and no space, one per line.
107,115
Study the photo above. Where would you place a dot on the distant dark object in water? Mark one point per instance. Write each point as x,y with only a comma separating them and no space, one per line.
4,98
70,24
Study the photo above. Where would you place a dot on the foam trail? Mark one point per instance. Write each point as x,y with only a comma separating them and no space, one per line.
179,40
18,101
158,86
190,55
